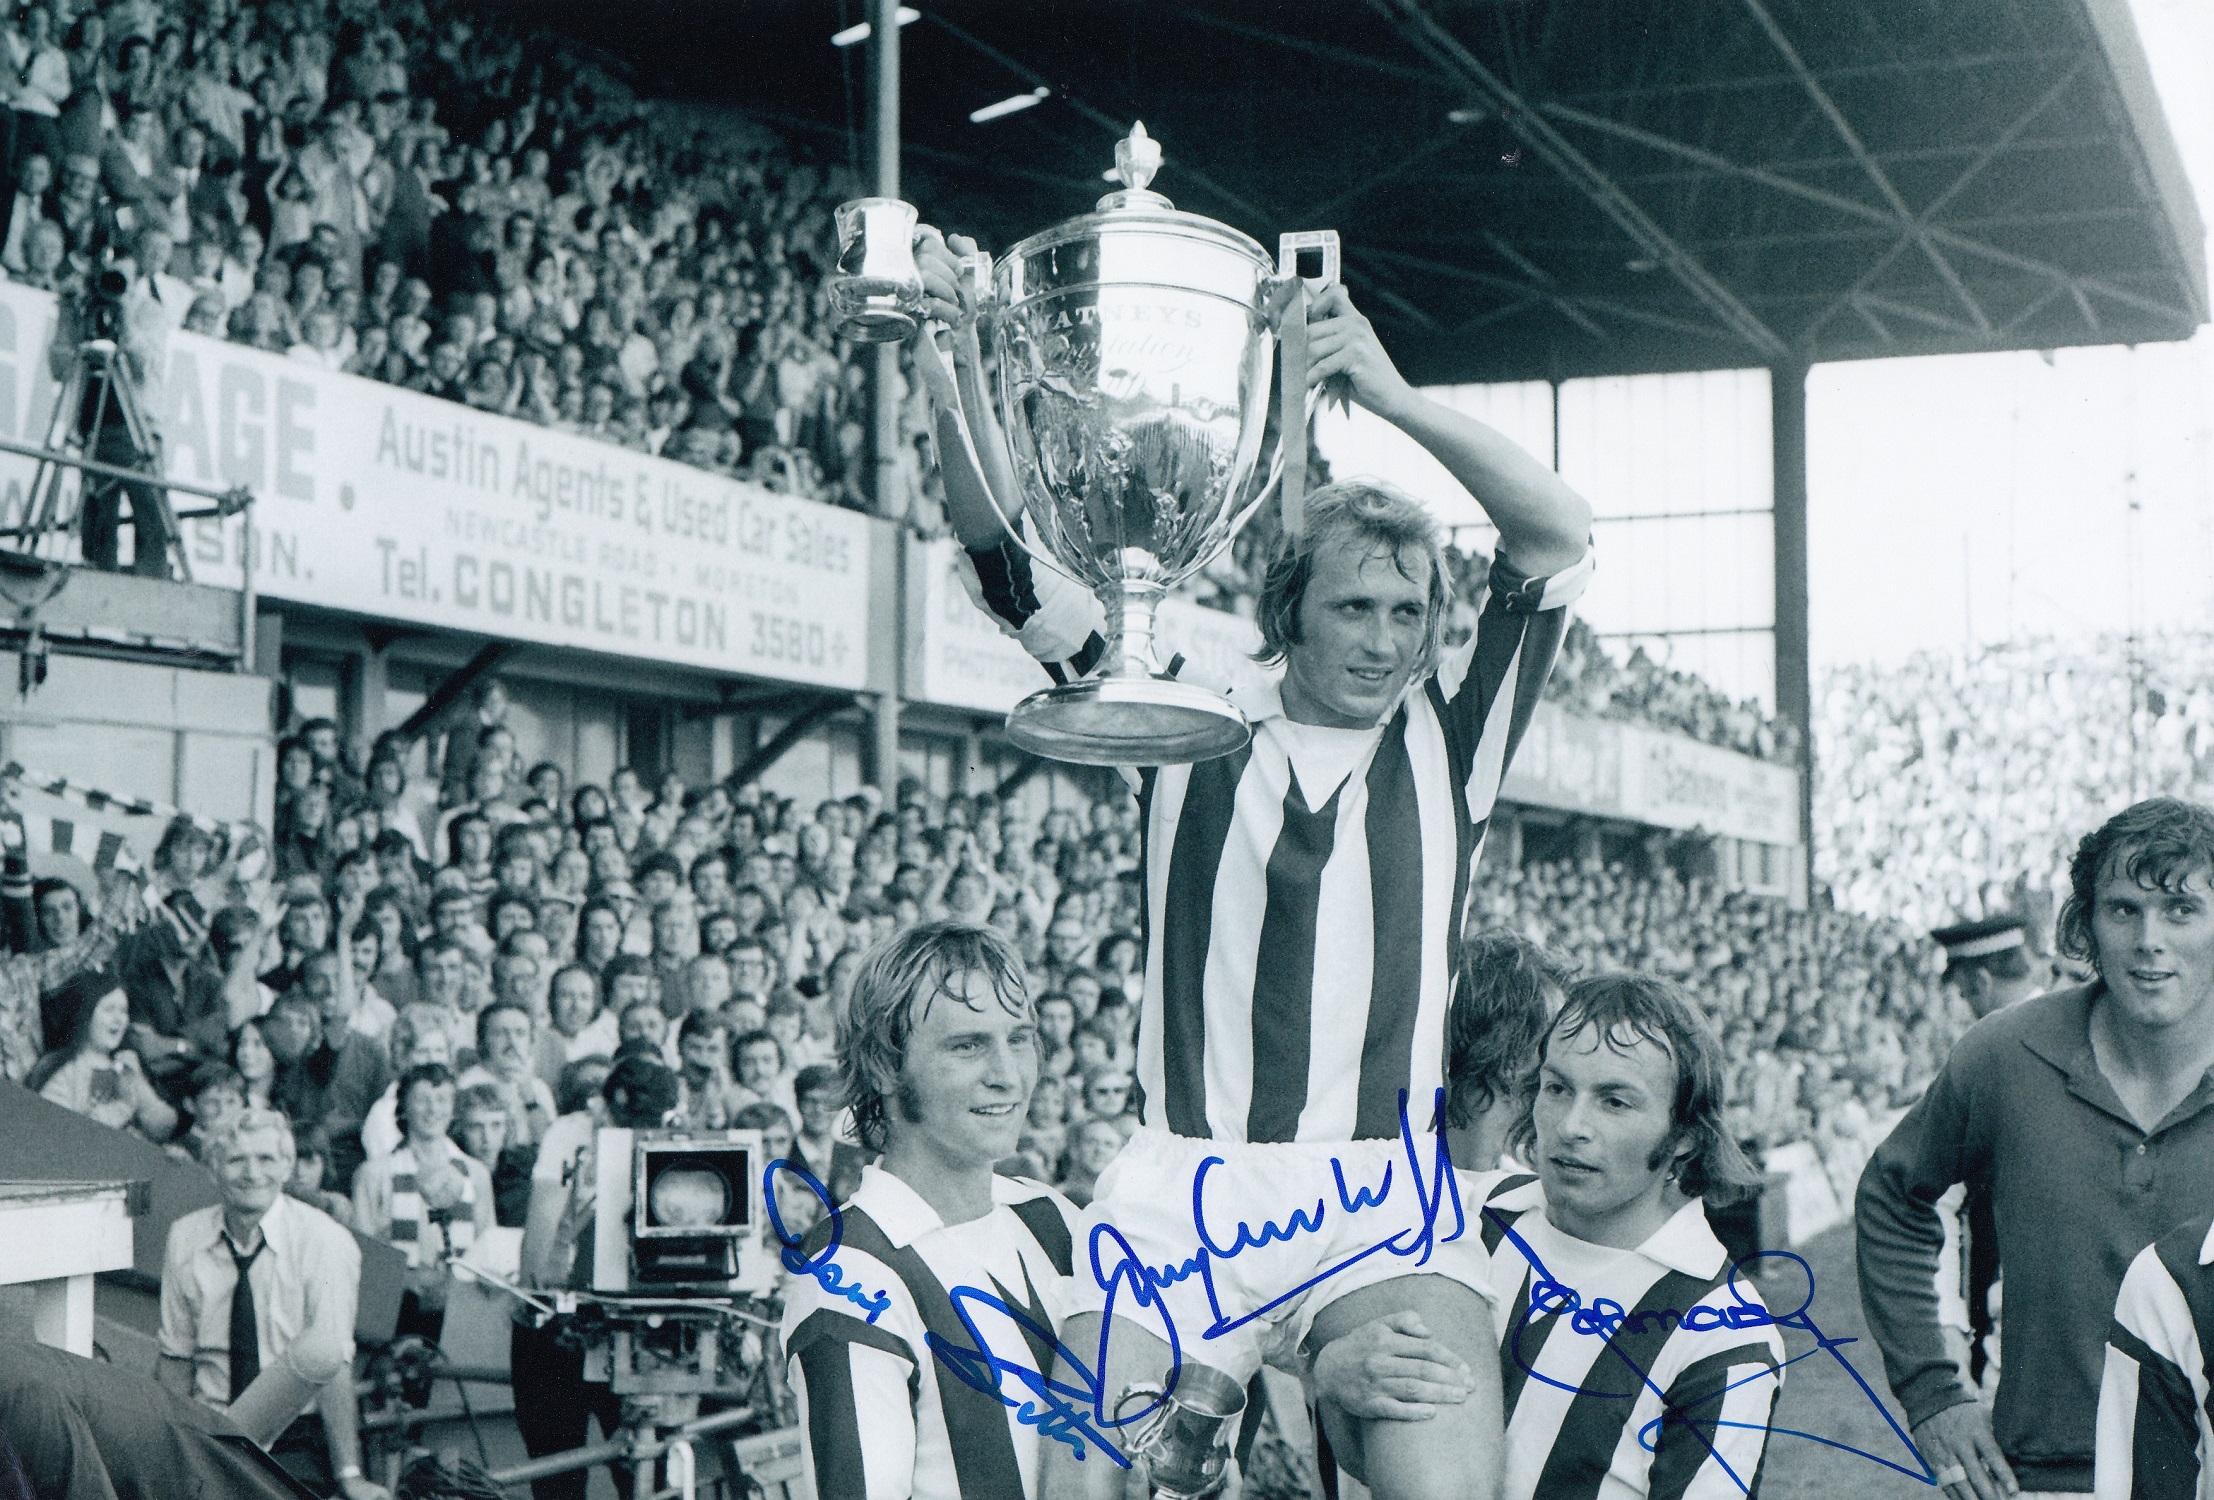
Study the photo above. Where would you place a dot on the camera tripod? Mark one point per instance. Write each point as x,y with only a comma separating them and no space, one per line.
95,396
95,393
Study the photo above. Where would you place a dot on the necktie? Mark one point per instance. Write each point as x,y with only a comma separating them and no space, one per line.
245,1329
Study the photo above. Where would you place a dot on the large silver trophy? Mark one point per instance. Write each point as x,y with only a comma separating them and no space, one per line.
1132,349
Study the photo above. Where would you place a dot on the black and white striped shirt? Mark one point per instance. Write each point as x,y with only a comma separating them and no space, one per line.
1307,890
887,1415
1303,895
2155,1441
1626,1373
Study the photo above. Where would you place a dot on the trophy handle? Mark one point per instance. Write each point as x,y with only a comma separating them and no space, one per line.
1140,1443
1269,489
1294,287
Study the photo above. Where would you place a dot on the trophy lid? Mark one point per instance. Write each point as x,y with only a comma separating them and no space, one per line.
1137,158
1136,210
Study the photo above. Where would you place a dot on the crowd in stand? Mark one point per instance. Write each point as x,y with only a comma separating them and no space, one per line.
449,963
409,192
1954,786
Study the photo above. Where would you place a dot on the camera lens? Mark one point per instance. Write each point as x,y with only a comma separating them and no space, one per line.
688,1198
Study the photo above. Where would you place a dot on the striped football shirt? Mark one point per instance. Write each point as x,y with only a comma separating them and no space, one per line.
1626,1373
1304,895
2154,1439
889,1417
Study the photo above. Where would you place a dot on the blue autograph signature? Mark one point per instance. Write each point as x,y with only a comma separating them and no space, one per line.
974,1365
1058,1408
1434,1195
822,1267
979,1369
1603,1318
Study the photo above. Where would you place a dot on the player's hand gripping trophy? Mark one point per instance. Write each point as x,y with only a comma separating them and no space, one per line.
1129,353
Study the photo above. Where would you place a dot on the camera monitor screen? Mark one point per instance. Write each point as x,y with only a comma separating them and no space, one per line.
693,1189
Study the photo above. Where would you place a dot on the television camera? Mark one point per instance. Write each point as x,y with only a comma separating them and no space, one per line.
678,1305
680,1252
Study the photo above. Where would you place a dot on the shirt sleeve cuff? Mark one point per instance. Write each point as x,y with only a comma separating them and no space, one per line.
1936,1389
1058,616
1519,593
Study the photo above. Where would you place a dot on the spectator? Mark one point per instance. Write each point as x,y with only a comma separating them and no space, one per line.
44,84
1096,1144
1107,1098
26,978
427,1196
256,1065
481,1128
419,1039
816,1149
759,1060
578,1025
507,1049
26,209
91,1073
45,258
1056,1033
304,1271
318,1083
311,1176
775,1127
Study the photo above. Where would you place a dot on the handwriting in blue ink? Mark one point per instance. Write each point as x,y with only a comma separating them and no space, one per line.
1435,1192
1605,1318
821,1267
978,1368
1121,1272
974,1366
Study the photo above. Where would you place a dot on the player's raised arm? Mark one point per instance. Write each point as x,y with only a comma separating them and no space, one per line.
1057,619
949,361
1544,526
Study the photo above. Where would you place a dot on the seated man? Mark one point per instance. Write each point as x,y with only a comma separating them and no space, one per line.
480,1128
215,1092
834,1163
507,1047
322,1079
247,1279
428,1198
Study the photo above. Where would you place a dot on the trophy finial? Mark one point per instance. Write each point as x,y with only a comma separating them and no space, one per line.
1137,158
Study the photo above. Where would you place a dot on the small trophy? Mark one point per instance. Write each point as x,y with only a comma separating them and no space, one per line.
1185,1442
1134,347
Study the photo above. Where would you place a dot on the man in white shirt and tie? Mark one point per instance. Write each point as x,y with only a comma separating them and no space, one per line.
262,1288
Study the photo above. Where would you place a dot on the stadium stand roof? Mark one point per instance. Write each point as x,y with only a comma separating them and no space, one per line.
1533,189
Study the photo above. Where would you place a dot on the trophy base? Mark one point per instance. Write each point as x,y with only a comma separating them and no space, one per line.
1128,721
877,325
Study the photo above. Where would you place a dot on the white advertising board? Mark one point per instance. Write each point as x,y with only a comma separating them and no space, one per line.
388,503
1612,769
